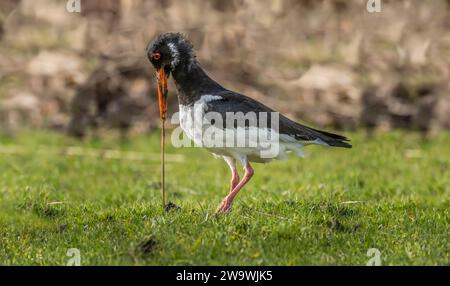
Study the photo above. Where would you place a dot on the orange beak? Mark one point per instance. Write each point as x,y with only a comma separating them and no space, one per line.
162,93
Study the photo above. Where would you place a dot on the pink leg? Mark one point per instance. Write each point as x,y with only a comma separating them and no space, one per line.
234,173
225,206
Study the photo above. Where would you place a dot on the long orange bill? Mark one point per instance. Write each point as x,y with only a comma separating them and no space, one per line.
162,97
162,93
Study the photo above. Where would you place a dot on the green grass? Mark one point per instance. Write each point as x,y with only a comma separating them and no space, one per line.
390,193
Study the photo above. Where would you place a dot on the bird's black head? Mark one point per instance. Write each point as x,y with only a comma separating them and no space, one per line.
170,50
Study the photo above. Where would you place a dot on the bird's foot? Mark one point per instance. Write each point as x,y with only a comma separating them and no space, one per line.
224,207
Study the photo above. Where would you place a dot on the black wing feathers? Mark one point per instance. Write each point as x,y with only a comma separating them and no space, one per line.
234,102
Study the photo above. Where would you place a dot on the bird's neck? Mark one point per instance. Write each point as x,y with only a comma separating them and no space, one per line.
192,82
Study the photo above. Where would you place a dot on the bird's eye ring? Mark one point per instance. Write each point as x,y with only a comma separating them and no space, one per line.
156,56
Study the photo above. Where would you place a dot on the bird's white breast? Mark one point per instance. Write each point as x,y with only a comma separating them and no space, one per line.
191,117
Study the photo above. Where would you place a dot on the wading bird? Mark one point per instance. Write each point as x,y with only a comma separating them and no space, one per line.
172,53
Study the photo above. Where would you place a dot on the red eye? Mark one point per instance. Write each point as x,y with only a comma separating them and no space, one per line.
156,56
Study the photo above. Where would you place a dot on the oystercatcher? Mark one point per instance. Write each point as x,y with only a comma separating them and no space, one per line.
200,96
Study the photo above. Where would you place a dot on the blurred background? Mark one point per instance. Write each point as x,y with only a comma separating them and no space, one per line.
329,63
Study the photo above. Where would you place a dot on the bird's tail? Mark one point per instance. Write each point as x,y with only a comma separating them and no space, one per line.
332,139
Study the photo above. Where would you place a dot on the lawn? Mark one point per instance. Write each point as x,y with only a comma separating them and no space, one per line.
390,192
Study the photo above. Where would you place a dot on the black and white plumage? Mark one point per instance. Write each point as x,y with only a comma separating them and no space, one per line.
174,53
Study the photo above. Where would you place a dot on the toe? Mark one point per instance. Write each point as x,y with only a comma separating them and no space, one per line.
224,207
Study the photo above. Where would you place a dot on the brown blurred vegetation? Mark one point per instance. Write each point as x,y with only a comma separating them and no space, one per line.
329,63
